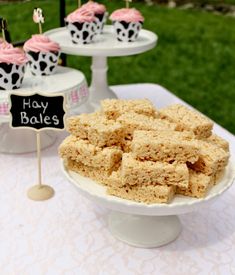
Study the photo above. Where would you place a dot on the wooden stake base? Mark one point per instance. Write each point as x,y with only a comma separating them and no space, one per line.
40,192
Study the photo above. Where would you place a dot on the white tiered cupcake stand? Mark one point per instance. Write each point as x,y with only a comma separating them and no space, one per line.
144,225
105,45
70,82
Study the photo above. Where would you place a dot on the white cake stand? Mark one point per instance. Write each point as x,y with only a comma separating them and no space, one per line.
144,225
70,82
105,45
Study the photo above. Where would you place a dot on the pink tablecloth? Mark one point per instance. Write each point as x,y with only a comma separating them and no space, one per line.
69,235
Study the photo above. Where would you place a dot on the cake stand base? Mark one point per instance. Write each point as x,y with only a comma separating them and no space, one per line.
40,192
144,231
146,225
19,141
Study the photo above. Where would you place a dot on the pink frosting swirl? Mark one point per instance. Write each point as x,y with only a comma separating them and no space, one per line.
11,55
127,15
81,15
94,7
5,45
41,43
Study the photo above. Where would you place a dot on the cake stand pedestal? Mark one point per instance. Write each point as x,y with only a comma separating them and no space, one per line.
99,88
144,231
105,45
146,225
69,82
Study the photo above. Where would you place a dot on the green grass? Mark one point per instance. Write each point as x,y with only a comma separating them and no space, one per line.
195,56
230,2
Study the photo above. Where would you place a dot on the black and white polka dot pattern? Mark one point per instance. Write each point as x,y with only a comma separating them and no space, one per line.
100,22
42,63
11,76
82,33
127,32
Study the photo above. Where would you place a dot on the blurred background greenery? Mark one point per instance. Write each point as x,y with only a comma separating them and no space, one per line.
194,58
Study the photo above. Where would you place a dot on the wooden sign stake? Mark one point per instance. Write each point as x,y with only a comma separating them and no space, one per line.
40,28
3,29
128,3
38,112
40,192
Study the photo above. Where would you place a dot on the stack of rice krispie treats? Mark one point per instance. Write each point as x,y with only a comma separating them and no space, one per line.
144,154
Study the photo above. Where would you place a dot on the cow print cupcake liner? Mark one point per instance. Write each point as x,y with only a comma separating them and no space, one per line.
11,76
100,22
82,33
42,63
127,32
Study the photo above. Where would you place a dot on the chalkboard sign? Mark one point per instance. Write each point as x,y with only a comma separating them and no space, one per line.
37,111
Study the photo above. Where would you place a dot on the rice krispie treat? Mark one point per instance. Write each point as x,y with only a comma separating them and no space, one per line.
99,175
146,194
133,121
113,108
79,125
149,173
199,184
145,155
88,154
126,145
106,133
188,120
97,129
218,176
211,158
114,179
169,146
219,141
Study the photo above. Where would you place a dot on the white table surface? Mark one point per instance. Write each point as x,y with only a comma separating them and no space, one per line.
69,235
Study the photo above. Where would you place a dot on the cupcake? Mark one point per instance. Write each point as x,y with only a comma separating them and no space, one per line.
12,66
127,24
100,13
82,26
43,54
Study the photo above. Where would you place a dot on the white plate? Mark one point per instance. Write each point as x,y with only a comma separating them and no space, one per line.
105,44
179,205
